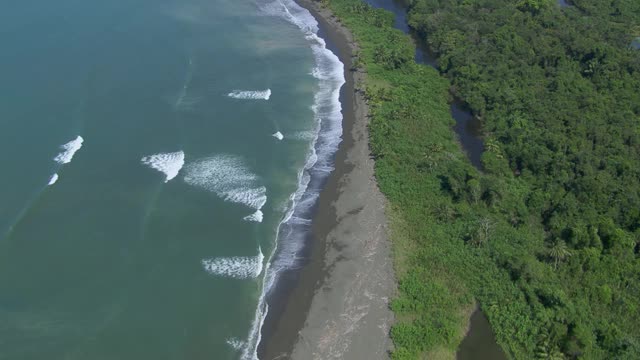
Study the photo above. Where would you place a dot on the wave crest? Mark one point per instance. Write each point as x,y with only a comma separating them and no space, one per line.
167,163
53,179
68,150
255,217
278,135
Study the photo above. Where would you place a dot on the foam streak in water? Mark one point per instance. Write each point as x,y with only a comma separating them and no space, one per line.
250,95
167,163
68,150
186,102
235,267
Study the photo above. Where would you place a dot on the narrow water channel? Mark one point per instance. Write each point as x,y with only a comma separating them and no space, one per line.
480,342
468,127
564,3
469,130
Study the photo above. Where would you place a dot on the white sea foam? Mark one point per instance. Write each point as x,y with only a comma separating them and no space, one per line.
255,217
299,221
251,95
68,150
53,179
228,177
324,143
235,267
167,163
278,135
235,343
254,198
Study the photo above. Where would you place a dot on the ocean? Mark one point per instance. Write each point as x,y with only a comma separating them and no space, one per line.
159,159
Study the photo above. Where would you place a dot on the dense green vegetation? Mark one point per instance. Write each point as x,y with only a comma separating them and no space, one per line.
547,237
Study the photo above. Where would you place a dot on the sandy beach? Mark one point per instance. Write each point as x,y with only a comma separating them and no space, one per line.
337,305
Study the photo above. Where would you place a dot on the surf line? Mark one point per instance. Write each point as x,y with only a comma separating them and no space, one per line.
329,72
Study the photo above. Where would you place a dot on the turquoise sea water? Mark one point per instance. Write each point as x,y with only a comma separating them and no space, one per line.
141,195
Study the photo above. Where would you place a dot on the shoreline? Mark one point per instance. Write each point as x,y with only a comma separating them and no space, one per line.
336,304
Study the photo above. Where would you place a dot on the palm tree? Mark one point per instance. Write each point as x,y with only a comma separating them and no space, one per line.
482,232
559,252
547,350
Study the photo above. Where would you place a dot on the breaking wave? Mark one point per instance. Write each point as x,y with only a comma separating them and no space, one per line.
235,267
229,178
278,135
167,163
68,150
53,179
255,217
250,95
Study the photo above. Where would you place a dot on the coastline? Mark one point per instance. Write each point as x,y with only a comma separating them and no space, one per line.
336,305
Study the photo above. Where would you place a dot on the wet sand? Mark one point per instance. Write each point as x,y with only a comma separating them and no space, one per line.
337,305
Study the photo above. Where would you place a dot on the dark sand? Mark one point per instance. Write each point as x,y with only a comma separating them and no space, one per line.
336,306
